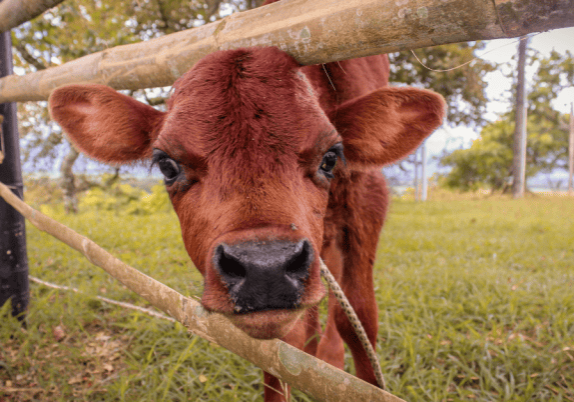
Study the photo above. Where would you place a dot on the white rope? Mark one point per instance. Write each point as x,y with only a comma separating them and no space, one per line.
355,322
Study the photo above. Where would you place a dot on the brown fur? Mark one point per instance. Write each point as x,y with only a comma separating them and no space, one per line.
249,128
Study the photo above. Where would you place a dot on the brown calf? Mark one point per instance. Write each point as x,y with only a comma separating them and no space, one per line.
270,166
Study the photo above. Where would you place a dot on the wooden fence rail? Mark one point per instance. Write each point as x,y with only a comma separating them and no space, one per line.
313,32
297,368
16,12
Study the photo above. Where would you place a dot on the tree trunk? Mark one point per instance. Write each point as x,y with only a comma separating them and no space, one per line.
519,148
68,181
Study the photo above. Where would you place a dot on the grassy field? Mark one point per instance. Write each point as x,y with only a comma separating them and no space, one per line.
476,303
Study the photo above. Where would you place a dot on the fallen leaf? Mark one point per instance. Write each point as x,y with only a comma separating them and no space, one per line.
75,380
59,333
202,378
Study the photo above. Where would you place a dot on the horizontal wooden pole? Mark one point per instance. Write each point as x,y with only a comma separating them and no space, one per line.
16,12
313,32
295,367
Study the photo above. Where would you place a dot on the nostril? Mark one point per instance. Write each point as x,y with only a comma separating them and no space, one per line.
264,275
298,266
230,268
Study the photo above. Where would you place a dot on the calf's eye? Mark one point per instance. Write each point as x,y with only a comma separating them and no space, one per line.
168,167
328,163
330,160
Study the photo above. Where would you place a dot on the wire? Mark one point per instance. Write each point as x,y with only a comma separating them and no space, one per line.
475,58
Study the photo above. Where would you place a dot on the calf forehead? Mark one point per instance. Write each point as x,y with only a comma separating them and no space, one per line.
243,103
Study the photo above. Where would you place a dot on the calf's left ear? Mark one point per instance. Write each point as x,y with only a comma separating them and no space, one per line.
387,124
105,124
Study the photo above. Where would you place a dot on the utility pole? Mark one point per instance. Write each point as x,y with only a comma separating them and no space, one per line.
417,174
519,148
424,187
571,152
13,256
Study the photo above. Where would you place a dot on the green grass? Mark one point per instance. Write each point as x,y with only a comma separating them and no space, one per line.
476,302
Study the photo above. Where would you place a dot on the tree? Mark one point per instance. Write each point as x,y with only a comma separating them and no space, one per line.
75,30
488,162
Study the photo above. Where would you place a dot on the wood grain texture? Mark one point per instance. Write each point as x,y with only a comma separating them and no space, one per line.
313,32
16,12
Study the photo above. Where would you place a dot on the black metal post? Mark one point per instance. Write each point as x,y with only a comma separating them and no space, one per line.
13,256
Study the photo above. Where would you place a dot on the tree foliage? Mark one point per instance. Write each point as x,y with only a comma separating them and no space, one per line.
463,86
488,162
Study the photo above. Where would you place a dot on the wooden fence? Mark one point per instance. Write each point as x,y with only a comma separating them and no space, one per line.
313,32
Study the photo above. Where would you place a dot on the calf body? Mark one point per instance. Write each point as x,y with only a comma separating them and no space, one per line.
269,166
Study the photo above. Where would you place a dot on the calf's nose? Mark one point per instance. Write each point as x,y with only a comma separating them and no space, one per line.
264,275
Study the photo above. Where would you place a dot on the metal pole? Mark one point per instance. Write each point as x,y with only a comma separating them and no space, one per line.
571,152
13,256
424,180
519,160
416,175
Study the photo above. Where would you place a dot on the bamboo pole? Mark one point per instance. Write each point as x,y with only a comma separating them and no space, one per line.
16,12
313,32
318,379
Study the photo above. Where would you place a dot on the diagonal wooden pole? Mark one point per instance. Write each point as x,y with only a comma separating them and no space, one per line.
315,377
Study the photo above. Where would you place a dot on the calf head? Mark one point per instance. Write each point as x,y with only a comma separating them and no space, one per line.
248,157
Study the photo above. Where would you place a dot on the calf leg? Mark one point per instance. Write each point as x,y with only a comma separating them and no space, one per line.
362,297
365,207
359,250
304,336
331,348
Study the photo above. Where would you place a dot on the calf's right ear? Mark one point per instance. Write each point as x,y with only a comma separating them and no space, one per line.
104,124
386,125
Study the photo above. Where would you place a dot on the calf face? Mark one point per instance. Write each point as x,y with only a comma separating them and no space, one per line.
248,157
